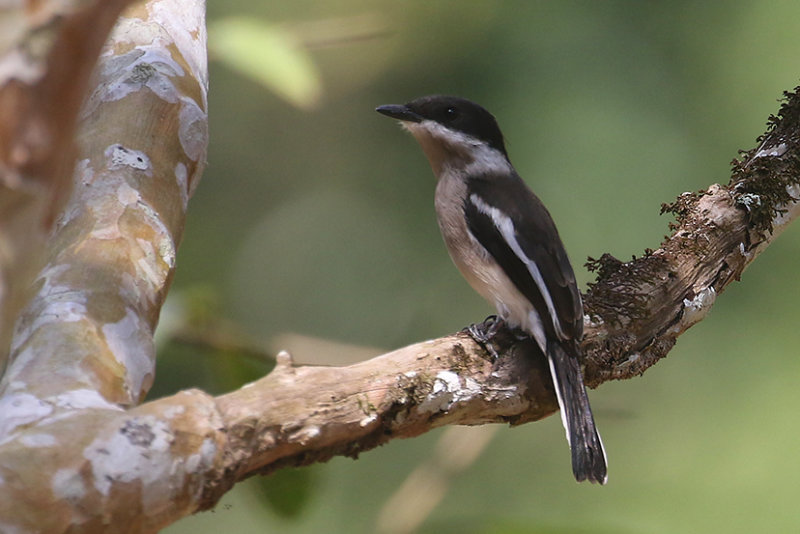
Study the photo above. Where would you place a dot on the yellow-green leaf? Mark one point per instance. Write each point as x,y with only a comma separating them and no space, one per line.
268,54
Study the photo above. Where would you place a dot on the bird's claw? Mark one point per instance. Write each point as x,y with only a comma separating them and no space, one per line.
484,332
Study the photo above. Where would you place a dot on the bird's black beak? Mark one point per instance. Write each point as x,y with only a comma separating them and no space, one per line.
399,112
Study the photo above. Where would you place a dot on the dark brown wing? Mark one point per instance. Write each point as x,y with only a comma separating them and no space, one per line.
511,223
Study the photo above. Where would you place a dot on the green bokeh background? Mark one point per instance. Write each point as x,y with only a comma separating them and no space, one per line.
320,222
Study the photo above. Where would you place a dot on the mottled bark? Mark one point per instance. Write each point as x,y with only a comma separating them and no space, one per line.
71,456
47,53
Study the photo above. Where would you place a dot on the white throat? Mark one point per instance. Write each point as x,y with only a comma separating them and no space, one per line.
452,152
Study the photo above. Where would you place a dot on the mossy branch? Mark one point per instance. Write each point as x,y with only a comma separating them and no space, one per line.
637,309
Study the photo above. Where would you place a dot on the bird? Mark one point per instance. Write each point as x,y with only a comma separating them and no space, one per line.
502,238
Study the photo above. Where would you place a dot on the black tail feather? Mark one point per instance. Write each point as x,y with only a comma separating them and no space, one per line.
588,455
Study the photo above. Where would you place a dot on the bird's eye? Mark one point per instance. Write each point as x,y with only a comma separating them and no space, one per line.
450,113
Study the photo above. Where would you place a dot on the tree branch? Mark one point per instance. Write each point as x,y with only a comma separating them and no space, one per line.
635,311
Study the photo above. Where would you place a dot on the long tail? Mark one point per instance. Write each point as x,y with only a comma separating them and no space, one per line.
588,455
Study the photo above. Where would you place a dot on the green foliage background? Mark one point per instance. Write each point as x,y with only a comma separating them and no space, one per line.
315,217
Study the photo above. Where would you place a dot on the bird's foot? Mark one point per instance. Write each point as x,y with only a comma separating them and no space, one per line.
484,332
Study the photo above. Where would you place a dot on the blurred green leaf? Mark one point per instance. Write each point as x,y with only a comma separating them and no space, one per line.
180,366
234,368
269,55
198,347
287,491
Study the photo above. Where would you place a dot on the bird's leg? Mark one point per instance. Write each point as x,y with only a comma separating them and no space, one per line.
484,332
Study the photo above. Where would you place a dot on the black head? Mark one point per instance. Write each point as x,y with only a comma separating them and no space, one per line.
452,112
